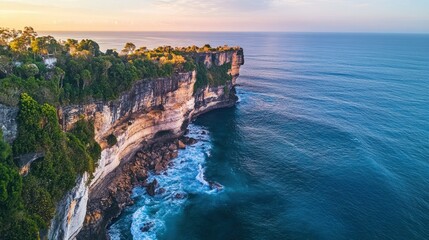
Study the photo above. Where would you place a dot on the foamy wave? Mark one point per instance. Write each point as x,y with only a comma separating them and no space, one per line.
184,178
200,176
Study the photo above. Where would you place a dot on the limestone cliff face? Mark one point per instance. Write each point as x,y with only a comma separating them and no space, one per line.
8,122
70,213
152,110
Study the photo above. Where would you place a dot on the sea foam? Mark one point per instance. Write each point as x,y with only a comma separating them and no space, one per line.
147,218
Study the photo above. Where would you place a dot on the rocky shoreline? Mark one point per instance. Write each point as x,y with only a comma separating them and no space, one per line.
110,198
144,121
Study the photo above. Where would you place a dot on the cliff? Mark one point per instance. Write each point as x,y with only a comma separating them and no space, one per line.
8,122
153,110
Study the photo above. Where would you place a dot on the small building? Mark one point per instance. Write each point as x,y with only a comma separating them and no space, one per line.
49,61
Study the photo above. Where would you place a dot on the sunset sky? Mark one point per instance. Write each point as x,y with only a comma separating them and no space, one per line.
218,15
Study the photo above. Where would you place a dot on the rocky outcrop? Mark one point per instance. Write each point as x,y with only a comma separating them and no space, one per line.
114,193
24,161
153,111
8,122
71,211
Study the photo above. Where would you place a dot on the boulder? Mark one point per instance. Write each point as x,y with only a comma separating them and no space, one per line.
161,191
181,145
215,185
147,226
172,147
159,168
150,188
180,196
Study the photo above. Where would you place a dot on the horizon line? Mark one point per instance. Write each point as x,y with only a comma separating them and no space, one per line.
230,31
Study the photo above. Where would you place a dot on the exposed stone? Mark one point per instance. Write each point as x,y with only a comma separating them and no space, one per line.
215,185
150,188
172,147
180,196
158,168
147,226
160,191
181,145
142,119
8,123
188,140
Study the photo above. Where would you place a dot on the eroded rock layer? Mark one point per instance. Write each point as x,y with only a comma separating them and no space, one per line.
153,111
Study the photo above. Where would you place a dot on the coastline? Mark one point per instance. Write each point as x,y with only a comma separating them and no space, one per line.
153,111
155,158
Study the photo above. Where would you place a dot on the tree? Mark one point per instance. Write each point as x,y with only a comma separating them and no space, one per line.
129,48
207,47
18,44
5,65
141,50
30,70
10,181
19,227
90,46
44,45
23,42
5,36
71,45
37,199
86,78
112,52
29,34
5,152
10,188
60,74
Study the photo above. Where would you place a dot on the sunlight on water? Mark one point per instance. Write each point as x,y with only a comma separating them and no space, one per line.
329,140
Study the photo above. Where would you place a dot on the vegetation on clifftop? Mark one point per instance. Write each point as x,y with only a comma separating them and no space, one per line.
38,73
214,76
71,71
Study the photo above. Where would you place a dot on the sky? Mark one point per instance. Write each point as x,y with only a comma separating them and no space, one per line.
218,15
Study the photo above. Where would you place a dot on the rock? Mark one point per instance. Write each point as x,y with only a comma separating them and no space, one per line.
181,145
174,154
192,141
188,140
161,191
203,133
141,175
93,217
152,165
147,226
215,185
150,188
159,168
180,196
164,148
166,157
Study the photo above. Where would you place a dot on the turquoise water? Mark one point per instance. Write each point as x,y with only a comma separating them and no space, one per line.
330,140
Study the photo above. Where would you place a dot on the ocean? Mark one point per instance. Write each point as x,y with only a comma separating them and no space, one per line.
329,140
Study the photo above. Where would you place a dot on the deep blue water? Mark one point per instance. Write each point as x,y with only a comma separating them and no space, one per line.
330,140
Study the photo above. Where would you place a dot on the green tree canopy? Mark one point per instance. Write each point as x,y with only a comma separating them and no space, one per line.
129,48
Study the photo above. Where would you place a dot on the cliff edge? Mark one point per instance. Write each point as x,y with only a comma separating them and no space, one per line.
154,110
